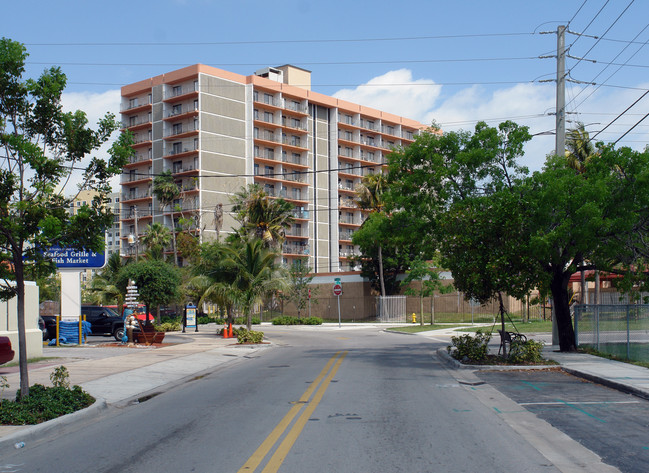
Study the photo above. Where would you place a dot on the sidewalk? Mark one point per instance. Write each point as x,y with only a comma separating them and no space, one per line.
118,376
624,377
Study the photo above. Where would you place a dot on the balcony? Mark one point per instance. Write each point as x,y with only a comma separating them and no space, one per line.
293,249
294,141
345,236
179,93
300,214
136,195
180,132
136,123
185,111
135,107
297,232
184,168
135,177
294,106
181,150
287,123
139,158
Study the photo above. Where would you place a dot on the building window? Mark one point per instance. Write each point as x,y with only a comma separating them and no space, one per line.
270,153
268,99
177,90
255,114
269,171
132,103
132,121
256,151
177,128
177,109
255,95
177,148
268,117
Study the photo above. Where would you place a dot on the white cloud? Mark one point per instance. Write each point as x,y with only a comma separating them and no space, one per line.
395,92
527,104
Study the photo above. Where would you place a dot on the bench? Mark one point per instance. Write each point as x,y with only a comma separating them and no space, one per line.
509,337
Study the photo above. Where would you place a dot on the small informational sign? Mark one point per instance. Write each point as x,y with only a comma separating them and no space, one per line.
338,289
191,316
77,259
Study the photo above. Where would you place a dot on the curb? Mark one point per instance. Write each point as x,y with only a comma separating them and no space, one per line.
625,388
33,433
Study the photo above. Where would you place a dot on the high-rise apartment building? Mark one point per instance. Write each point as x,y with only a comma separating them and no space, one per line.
218,131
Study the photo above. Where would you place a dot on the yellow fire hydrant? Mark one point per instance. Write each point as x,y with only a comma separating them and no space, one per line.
414,318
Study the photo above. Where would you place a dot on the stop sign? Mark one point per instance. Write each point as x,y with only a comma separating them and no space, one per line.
338,289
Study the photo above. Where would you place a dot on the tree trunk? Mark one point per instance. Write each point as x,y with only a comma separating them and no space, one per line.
22,338
561,301
502,324
381,272
173,235
421,308
249,320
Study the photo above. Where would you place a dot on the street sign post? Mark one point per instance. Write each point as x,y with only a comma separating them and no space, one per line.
338,290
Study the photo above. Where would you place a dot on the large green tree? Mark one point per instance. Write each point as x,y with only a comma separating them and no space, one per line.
502,231
42,149
158,282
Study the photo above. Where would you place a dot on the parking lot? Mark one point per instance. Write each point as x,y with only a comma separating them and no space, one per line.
613,424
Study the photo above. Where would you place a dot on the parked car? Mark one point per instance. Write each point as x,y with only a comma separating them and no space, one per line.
43,329
6,353
103,321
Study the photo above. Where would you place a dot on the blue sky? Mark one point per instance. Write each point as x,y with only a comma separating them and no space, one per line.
455,62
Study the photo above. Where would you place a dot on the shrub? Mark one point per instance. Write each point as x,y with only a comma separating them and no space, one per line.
249,336
285,320
168,327
291,320
466,347
45,403
525,351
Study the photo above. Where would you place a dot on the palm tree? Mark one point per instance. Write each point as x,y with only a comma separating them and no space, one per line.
369,196
256,273
156,238
167,191
579,148
263,217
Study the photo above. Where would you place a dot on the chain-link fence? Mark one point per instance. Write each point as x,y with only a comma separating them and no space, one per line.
617,329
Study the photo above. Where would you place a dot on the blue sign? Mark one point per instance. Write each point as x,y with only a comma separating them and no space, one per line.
73,258
191,316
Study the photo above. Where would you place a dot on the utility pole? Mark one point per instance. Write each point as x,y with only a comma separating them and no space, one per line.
560,145
137,235
560,129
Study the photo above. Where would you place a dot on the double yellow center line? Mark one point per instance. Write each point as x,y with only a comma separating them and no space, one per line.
323,380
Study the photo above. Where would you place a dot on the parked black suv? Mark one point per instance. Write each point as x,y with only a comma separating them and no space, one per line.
103,321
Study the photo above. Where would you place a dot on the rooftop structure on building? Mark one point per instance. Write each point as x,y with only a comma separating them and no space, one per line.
218,131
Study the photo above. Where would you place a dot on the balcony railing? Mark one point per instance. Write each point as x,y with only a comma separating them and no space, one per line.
185,168
300,213
181,110
138,121
345,235
180,130
296,107
296,249
177,92
135,177
180,150
136,195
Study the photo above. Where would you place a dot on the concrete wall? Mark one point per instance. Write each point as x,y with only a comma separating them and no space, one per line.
9,322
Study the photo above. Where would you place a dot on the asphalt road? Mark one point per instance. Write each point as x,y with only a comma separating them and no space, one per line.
328,401
611,423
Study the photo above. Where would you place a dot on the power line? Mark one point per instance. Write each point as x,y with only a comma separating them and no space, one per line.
287,41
